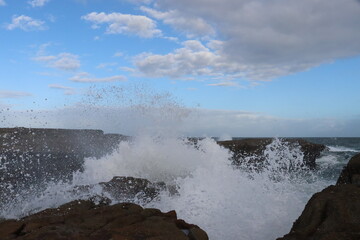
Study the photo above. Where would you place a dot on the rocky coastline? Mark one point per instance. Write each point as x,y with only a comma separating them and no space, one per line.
333,213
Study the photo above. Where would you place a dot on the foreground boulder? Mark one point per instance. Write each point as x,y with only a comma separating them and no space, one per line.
334,213
84,220
255,147
351,172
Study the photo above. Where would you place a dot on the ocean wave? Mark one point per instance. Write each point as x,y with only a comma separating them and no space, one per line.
341,149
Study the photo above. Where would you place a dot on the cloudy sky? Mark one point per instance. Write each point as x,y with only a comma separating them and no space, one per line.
246,67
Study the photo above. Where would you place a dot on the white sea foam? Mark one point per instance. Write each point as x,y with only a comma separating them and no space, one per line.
229,203
327,160
341,149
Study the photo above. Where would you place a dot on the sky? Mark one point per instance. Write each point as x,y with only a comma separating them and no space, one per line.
241,67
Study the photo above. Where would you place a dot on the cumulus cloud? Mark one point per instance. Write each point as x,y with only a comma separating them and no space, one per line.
87,78
66,90
2,3
118,23
196,59
224,84
277,37
38,3
13,94
63,61
26,23
192,26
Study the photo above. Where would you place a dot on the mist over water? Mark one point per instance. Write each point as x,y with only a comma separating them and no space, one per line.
227,201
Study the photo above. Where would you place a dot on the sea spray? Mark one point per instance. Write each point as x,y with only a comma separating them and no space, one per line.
228,202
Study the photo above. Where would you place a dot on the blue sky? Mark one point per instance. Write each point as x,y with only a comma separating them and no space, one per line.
277,67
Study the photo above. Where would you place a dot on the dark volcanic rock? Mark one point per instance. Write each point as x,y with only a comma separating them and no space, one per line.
84,220
88,143
30,156
351,172
127,189
333,214
256,146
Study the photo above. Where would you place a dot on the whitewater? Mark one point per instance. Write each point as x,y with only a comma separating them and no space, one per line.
227,201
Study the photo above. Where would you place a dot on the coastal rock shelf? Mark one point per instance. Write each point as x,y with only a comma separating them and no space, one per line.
256,146
85,220
334,213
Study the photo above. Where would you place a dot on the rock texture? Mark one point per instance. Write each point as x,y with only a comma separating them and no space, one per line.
351,172
127,189
334,213
84,220
256,146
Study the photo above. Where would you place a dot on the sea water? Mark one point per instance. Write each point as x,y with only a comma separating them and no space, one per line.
228,202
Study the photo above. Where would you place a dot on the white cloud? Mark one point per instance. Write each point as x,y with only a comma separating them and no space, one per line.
107,66
38,3
26,23
118,23
67,90
192,26
195,59
63,61
13,94
224,84
274,38
87,78
2,3
118,54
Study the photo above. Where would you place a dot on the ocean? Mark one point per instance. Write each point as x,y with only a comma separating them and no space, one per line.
227,202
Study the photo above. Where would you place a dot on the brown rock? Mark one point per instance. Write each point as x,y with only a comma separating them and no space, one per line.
333,213
351,172
80,220
197,234
255,148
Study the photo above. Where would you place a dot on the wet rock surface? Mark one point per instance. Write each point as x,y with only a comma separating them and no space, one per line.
82,220
127,189
243,148
334,213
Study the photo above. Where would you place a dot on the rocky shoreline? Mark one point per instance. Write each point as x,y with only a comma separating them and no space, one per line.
333,213
85,220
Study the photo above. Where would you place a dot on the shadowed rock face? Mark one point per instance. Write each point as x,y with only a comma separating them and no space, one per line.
32,156
256,146
351,172
86,143
334,213
84,220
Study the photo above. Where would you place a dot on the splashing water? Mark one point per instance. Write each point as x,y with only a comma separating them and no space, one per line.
229,203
